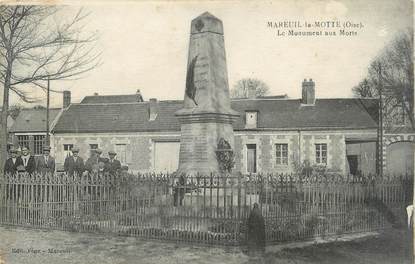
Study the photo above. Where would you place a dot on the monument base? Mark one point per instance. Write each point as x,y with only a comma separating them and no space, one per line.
200,135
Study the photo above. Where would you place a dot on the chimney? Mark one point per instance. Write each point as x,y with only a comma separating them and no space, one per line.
139,96
153,109
308,92
66,98
251,91
95,94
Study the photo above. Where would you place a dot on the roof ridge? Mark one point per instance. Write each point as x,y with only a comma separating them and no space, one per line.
50,108
118,103
128,103
99,95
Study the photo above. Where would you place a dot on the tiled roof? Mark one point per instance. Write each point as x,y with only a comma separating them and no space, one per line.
273,114
326,113
110,99
33,120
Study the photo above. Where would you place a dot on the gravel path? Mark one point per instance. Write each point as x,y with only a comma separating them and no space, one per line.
19,245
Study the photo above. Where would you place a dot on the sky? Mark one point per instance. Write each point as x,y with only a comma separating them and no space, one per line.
144,45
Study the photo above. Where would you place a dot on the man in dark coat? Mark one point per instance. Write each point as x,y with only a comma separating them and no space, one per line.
46,163
256,231
113,166
74,163
29,163
91,165
10,167
101,159
179,191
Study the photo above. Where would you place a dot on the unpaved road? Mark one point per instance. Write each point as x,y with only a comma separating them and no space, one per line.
19,245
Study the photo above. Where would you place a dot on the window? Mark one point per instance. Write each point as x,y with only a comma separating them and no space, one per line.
321,153
251,119
23,141
93,146
121,151
39,141
251,158
67,150
282,154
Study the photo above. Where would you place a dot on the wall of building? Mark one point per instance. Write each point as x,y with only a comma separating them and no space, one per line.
365,154
301,147
140,147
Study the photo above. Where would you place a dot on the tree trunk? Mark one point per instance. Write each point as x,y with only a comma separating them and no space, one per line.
4,115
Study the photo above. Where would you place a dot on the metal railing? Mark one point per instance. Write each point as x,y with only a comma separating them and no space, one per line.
210,209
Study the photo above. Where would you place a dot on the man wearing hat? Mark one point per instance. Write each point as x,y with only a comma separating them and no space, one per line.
10,167
101,159
46,163
113,166
91,164
29,164
74,163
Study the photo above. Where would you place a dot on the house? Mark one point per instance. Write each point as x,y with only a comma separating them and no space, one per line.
272,134
29,128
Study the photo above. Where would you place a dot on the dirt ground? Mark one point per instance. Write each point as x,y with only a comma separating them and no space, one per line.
19,245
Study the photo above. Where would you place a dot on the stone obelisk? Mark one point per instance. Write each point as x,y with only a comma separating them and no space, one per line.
207,115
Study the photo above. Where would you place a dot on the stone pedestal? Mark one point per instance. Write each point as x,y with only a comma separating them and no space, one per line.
207,116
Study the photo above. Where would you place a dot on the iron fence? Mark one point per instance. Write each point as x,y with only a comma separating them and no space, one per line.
210,209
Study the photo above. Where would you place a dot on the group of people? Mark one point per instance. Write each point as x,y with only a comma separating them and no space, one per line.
94,164
24,161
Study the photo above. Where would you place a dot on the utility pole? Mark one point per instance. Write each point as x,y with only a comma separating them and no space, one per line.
380,122
47,115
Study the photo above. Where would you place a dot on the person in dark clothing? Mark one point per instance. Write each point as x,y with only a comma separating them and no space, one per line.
46,163
179,191
101,159
307,170
29,163
256,231
91,163
12,163
113,166
74,163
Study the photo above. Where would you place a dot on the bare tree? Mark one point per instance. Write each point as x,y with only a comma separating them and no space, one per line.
365,88
35,48
393,72
240,89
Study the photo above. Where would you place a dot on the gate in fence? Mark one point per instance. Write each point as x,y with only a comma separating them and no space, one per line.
209,209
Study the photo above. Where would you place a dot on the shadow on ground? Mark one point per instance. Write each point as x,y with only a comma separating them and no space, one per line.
392,246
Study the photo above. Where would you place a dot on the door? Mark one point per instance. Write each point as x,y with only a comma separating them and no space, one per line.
166,156
251,158
400,158
353,161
